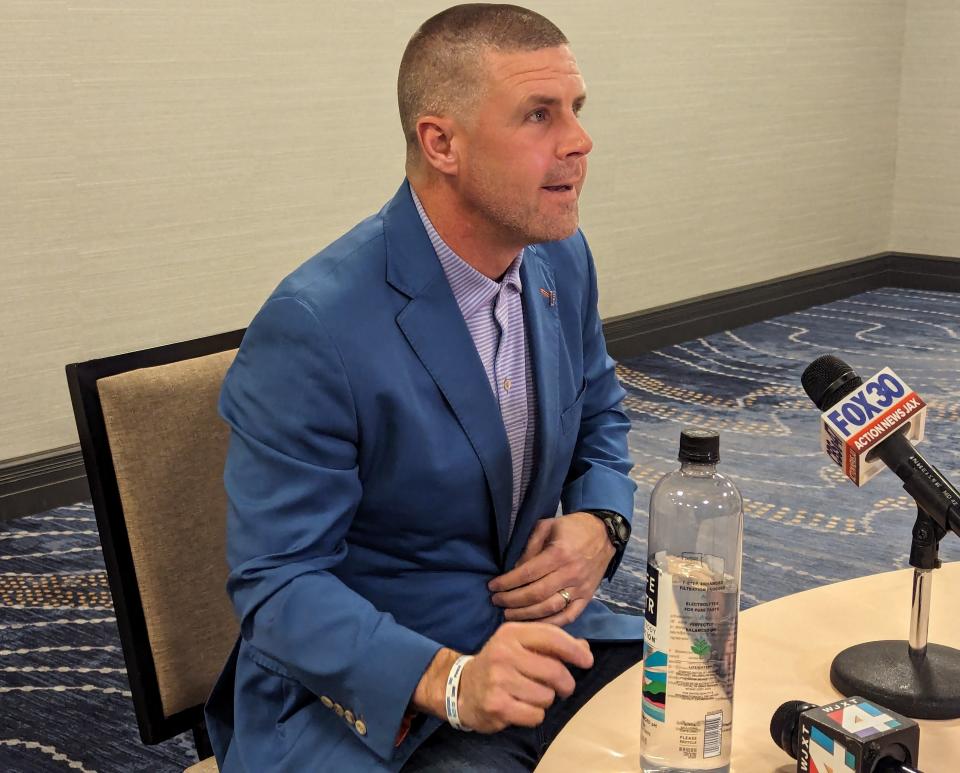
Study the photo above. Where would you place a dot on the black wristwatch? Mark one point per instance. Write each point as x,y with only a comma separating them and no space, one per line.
618,530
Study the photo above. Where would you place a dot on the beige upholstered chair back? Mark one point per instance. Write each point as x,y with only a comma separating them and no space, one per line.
168,446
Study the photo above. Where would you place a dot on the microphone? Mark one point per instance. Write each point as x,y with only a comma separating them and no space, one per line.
866,425
851,735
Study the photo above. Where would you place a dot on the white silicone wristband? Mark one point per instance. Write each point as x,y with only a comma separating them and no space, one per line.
453,692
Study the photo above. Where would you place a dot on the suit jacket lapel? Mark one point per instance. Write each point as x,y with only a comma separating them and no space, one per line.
543,326
433,325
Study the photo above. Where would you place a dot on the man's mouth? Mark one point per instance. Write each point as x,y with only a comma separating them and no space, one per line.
558,188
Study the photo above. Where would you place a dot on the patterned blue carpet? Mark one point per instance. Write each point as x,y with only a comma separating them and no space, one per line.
64,700
805,524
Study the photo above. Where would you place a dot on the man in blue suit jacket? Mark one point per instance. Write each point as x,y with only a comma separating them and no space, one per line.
373,536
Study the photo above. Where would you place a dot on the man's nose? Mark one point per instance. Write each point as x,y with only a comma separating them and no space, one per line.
576,141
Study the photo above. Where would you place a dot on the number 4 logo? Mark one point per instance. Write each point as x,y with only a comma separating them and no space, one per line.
862,721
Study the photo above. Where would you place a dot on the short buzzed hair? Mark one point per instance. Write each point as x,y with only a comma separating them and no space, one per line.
442,67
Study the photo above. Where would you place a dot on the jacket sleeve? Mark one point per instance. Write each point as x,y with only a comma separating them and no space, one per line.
598,477
293,489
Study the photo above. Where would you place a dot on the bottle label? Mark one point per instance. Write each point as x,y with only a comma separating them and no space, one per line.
689,657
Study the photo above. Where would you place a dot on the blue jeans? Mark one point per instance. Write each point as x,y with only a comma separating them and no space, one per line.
520,748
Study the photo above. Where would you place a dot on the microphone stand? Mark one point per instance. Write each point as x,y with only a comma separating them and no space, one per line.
913,677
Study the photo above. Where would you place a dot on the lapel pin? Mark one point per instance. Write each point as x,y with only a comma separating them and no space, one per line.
550,295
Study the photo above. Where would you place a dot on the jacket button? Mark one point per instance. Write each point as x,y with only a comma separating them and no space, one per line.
338,708
326,701
348,715
361,727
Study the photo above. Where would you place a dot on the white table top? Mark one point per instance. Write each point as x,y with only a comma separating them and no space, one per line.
784,652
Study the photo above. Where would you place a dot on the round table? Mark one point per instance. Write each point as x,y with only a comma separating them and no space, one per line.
784,652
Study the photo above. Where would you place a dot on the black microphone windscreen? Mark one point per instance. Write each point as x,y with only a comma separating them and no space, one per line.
828,379
785,723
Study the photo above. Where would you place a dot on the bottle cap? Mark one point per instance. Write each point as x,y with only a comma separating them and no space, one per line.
700,446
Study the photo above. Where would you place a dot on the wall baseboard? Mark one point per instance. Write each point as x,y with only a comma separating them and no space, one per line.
633,334
39,482
923,272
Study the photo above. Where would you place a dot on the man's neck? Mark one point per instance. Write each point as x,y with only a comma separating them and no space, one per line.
463,232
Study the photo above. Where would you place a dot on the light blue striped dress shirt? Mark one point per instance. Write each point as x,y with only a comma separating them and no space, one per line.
493,312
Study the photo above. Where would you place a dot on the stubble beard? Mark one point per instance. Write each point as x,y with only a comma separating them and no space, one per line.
519,219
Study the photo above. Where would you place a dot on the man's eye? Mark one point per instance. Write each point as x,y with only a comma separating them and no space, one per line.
538,116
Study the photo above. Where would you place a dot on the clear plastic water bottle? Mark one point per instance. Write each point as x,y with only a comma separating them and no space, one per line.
693,597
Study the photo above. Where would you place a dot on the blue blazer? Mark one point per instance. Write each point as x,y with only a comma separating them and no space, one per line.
369,484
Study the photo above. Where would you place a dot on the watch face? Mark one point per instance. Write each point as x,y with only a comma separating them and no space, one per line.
622,531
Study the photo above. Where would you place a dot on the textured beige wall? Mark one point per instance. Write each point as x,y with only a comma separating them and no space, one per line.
164,164
927,193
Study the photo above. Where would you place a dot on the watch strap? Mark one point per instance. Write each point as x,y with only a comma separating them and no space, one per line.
620,545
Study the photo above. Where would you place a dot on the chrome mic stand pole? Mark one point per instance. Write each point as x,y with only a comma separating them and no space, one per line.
920,611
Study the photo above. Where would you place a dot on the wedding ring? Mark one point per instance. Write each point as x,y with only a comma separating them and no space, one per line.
565,595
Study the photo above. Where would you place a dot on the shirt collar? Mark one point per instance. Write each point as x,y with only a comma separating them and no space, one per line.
470,288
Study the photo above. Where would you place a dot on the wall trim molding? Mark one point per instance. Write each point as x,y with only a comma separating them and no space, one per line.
630,335
39,482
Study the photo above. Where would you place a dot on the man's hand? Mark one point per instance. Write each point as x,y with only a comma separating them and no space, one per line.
569,553
511,681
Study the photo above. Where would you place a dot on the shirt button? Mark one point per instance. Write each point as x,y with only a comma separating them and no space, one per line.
338,709
326,701
360,727
348,715
507,383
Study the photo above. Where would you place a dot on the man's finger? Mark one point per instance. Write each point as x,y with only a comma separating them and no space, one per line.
536,592
532,691
552,605
523,714
568,615
538,566
546,670
538,538
555,642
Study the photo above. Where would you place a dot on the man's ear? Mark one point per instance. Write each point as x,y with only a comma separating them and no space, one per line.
438,143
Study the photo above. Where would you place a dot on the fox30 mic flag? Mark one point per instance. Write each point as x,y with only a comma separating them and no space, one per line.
853,427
